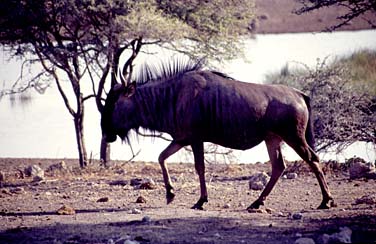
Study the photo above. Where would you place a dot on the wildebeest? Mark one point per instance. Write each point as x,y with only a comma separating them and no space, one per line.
194,106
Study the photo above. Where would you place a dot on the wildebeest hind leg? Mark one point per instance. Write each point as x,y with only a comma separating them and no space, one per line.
273,145
170,149
308,155
198,153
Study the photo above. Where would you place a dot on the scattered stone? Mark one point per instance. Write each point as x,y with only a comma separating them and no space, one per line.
291,176
34,170
344,236
269,210
118,183
131,242
6,192
359,169
17,190
38,178
148,184
136,211
66,210
136,182
146,219
145,184
121,240
103,199
227,206
304,240
258,181
256,185
61,166
141,199
297,216
366,200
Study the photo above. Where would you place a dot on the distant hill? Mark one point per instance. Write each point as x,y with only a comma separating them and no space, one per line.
276,16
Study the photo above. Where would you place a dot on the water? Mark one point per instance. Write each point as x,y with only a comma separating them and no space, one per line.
43,128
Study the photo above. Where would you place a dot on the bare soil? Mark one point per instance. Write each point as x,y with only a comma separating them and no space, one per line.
28,210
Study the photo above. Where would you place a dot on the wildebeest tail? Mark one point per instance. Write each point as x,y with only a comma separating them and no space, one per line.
309,134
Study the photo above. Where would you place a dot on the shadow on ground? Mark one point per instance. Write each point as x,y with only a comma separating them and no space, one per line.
188,230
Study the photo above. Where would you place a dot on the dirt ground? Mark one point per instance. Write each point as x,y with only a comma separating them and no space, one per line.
106,211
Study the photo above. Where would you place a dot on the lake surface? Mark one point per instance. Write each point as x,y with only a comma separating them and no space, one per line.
43,128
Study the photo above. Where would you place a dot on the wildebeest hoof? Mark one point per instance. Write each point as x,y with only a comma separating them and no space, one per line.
170,197
200,203
255,205
197,207
326,204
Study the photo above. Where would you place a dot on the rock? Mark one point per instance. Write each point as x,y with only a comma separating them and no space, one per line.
227,206
344,236
258,181
131,242
136,182
66,210
34,170
17,190
269,210
366,200
146,219
6,192
136,211
291,176
256,185
141,199
118,183
145,184
38,178
359,168
122,239
297,216
261,176
148,184
103,199
61,166
304,240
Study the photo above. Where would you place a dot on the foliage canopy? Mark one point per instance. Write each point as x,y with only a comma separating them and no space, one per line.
343,104
79,40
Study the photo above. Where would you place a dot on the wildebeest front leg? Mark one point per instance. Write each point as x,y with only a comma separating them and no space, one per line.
198,153
278,166
171,149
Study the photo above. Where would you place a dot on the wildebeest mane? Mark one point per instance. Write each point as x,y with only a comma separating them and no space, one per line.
157,71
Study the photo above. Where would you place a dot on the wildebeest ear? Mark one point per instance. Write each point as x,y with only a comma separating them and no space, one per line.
130,90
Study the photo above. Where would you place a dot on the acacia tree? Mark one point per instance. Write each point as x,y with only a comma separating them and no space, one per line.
343,110
354,9
82,41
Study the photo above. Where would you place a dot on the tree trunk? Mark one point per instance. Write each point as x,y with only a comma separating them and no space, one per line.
80,140
105,151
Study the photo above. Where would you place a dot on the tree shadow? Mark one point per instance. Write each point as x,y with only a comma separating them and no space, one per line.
189,230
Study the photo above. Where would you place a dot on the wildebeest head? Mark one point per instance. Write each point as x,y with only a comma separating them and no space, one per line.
118,116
